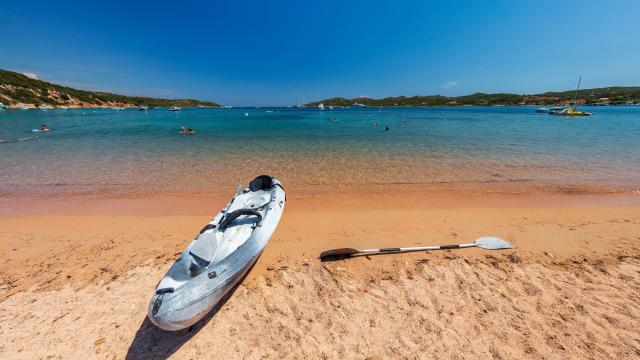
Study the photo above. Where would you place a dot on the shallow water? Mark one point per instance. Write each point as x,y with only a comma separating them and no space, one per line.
132,152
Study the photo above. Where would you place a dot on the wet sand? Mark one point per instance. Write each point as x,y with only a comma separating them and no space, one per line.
77,274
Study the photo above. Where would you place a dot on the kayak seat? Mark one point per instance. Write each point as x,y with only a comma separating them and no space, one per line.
197,265
202,251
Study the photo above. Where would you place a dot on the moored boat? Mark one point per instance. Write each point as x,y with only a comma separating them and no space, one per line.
556,109
570,111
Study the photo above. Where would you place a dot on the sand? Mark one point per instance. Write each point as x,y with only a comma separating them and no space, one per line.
77,274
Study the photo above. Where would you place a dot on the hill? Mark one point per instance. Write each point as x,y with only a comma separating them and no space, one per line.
16,88
600,96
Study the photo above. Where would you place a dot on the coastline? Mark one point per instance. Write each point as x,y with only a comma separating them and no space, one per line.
89,264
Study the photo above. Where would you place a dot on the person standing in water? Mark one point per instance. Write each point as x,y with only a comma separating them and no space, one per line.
183,130
44,128
191,131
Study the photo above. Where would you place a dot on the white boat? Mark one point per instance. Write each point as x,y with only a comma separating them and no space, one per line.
22,107
62,107
175,108
321,106
3,106
219,257
556,109
358,105
542,110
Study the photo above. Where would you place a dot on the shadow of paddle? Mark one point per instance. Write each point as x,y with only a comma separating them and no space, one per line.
152,342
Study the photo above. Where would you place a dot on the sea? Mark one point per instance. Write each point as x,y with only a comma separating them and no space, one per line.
132,152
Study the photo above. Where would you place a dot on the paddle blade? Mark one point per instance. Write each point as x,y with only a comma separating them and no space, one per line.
338,254
492,243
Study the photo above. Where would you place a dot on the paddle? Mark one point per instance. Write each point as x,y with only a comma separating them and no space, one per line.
488,242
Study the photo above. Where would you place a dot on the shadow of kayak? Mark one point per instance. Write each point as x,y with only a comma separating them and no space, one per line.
152,342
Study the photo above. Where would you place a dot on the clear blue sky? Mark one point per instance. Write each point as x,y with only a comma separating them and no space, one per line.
270,52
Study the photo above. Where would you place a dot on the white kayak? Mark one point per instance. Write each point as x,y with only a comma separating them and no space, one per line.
219,257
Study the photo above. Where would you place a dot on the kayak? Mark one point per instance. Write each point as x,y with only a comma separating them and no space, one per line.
219,257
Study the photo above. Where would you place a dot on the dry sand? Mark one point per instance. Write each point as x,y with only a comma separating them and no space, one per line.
76,276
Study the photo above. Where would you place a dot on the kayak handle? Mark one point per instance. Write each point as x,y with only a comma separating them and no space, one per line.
235,214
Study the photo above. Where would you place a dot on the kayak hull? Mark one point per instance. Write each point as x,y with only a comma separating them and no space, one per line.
178,307
186,311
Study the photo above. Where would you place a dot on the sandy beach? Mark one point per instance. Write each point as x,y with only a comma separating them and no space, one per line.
77,275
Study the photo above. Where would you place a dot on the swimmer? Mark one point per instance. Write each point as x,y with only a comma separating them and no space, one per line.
375,124
191,131
183,130
386,128
44,128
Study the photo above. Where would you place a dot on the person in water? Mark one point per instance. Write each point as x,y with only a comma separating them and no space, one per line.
183,130
386,128
191,131
44,128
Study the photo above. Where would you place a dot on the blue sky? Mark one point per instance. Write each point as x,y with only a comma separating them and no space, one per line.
272,52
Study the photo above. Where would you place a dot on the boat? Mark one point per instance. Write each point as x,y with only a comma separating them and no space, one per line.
3,106
144,108
556,109
22,107
542,110
174,108
219,257
571,110
358,105
321,106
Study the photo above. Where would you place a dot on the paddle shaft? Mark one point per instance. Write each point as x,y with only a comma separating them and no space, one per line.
415,248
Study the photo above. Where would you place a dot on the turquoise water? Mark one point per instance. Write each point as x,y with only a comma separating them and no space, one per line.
128,151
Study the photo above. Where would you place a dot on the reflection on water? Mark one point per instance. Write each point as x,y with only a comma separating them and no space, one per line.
130,152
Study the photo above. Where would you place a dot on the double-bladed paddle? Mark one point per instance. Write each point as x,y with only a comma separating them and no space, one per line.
488,242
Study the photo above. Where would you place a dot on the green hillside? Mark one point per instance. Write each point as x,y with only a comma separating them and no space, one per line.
614,96
17,88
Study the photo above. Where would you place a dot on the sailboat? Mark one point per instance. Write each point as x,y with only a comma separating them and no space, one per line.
571,110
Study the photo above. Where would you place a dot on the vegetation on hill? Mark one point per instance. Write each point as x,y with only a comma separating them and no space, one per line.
609,95
16,88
